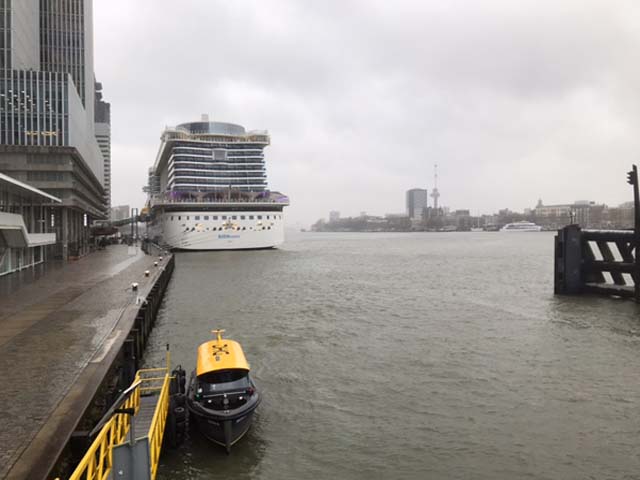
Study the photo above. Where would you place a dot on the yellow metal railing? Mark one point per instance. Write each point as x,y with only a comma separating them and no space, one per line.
98,461
156,430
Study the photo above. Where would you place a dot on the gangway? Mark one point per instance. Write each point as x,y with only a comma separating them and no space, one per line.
130,436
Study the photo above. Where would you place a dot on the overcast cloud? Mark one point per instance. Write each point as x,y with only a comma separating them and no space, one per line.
514,100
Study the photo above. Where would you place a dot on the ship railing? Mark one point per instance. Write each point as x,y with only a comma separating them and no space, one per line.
165,200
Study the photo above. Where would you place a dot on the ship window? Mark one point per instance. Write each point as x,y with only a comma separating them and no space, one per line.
226,376
172,218
268,217
250,217
224,217
179,218
244,228
206,217
242,217
215,217
197,217
235,217
187,218
259,217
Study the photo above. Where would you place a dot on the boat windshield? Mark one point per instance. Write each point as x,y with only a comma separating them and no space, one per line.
224,380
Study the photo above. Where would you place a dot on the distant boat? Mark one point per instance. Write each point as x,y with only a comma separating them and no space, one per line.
477,229
521,227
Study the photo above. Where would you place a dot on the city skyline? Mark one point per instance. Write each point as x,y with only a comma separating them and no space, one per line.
508,116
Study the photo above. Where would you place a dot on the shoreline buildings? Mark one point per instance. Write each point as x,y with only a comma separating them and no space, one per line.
416,203
47,122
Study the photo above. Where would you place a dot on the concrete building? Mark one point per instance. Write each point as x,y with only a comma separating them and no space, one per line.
416,203
587,214
121,212
622,216
47,91
103,137
334,216
26,225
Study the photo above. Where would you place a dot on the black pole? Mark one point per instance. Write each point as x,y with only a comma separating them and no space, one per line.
632,178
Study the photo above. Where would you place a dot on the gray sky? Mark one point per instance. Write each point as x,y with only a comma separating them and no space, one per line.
514,100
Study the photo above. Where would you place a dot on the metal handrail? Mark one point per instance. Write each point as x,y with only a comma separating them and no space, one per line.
158,423
97,462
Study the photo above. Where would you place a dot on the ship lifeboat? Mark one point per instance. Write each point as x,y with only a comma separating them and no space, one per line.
221,396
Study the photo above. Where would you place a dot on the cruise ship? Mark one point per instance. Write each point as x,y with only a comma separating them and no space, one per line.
207,190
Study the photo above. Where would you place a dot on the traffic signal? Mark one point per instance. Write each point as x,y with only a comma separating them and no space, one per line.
632,177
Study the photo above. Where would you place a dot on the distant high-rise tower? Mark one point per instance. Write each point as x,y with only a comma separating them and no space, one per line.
416,202
47,122
103,137
434,192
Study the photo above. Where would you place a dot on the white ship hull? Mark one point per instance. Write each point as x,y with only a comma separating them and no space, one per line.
521,227
218,230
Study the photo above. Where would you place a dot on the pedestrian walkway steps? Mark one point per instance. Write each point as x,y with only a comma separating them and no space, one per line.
144,417
148,400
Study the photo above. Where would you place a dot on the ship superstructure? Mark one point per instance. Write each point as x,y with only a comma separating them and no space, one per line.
208,190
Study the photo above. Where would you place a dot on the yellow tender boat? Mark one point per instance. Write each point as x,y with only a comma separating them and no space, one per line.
221,396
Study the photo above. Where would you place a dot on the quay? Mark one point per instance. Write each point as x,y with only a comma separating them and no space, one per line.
63,328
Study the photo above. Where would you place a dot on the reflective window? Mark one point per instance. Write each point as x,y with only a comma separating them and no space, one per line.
242,217
197,217
259,217
235,217
250,217
206,217
215,217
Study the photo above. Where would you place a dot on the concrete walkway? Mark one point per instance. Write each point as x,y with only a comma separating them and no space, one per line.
53,324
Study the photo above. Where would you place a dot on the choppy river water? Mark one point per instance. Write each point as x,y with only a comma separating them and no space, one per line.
411,356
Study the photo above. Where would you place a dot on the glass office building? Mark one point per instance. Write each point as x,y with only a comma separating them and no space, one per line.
47,124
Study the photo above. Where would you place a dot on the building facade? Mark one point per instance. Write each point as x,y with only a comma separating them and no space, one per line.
121,212
27,217
47,133
103,137
416,203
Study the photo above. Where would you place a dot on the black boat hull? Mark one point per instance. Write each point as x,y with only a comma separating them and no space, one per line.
223,427
224,432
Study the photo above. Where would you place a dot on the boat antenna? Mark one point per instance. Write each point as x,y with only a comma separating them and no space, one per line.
218,333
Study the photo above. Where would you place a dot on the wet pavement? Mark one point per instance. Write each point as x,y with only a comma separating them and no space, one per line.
52,323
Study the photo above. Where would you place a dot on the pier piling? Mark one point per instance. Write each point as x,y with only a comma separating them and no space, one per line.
600,261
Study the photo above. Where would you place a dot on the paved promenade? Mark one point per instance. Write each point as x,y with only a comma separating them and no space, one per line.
53,326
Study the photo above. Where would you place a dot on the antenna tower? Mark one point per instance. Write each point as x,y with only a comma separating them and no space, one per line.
434,192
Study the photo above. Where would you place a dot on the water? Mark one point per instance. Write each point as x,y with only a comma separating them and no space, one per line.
411,356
